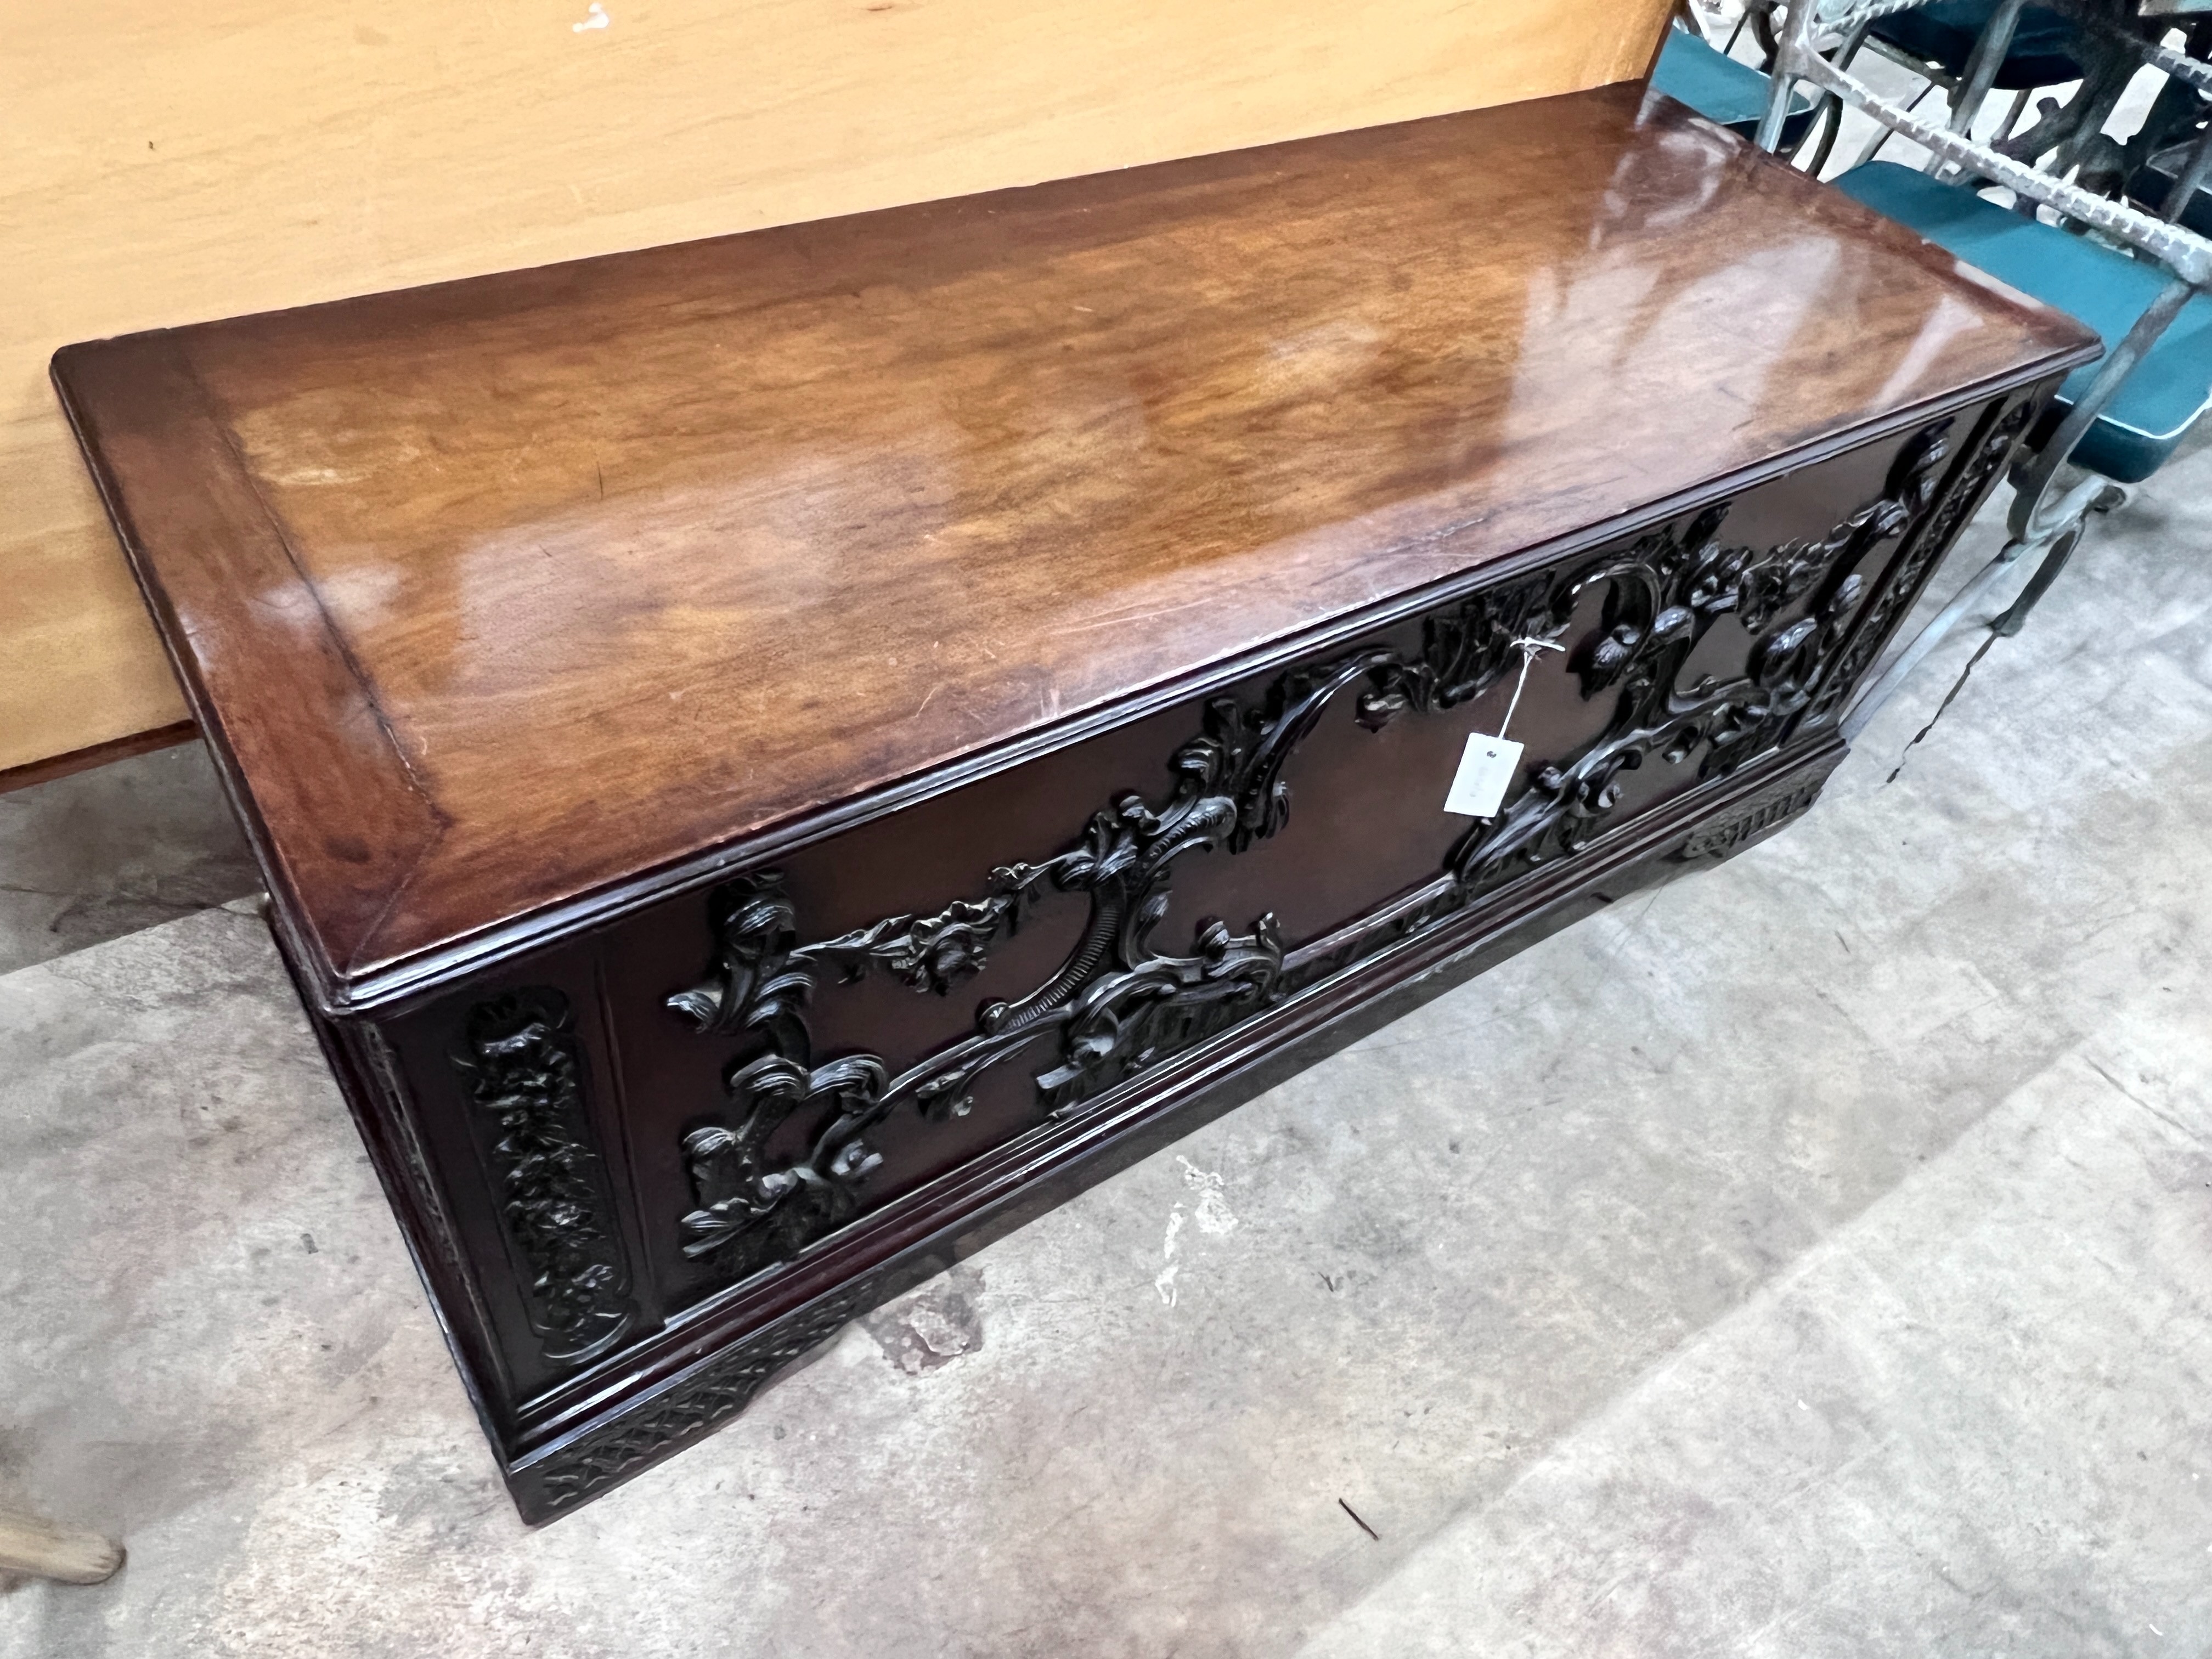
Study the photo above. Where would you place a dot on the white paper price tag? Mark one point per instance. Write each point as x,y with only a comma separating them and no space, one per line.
1484,771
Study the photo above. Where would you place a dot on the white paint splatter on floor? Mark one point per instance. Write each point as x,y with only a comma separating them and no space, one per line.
1210,1210
1212,1214
1165,1283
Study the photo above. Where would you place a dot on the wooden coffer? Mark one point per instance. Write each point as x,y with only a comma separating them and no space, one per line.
694,991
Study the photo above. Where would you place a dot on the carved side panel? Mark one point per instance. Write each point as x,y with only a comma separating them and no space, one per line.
524,1075
790,1162
1939,523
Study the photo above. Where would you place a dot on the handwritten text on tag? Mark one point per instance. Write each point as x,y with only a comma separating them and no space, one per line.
1484,771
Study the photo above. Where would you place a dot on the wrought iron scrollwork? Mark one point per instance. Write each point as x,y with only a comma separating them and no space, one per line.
1120,1002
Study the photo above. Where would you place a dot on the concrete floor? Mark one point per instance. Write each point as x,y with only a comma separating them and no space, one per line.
1812,1258
108,852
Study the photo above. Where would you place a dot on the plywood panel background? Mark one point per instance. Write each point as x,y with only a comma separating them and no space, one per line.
175,160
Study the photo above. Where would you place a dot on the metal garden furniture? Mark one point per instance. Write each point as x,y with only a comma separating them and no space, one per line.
2141,282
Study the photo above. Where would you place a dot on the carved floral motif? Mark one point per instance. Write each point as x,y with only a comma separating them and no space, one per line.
519,1058
1122,1001
1901,584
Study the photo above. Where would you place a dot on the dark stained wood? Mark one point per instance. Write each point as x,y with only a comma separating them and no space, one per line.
779,758
608,1425
507,593
1671,757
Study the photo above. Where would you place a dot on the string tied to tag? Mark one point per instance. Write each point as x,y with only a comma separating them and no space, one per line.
1529,646
1490,764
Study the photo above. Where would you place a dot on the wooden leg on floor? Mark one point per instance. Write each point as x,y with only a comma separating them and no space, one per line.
57,1553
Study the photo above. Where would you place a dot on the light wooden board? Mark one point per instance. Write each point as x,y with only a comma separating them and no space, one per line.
170,163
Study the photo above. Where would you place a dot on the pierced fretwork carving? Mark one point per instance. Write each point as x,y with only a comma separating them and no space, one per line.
1751,819
1917,559
1122,1001
1118,1004
714,1394
519,1057
1662,598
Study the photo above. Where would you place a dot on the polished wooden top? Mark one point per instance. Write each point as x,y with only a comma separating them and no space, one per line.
499,593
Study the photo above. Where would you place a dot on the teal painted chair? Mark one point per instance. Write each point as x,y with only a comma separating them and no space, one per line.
1935,39
2142,286
2150,412
2154,188
1727,92
1938,40
1941,37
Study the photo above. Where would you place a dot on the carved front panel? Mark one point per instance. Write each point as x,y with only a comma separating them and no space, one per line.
822,1034
702,1097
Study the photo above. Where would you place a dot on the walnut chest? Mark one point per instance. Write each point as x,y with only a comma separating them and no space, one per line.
776,757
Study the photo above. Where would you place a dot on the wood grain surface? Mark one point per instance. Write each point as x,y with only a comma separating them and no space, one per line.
170,164
496,592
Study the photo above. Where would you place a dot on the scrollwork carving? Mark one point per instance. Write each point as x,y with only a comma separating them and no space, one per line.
1662,595
1122,1001
1118,1003
1915,482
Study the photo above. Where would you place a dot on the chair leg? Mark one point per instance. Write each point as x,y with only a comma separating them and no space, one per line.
2092,494
57,1553
1871,698
1882,135
2062,549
